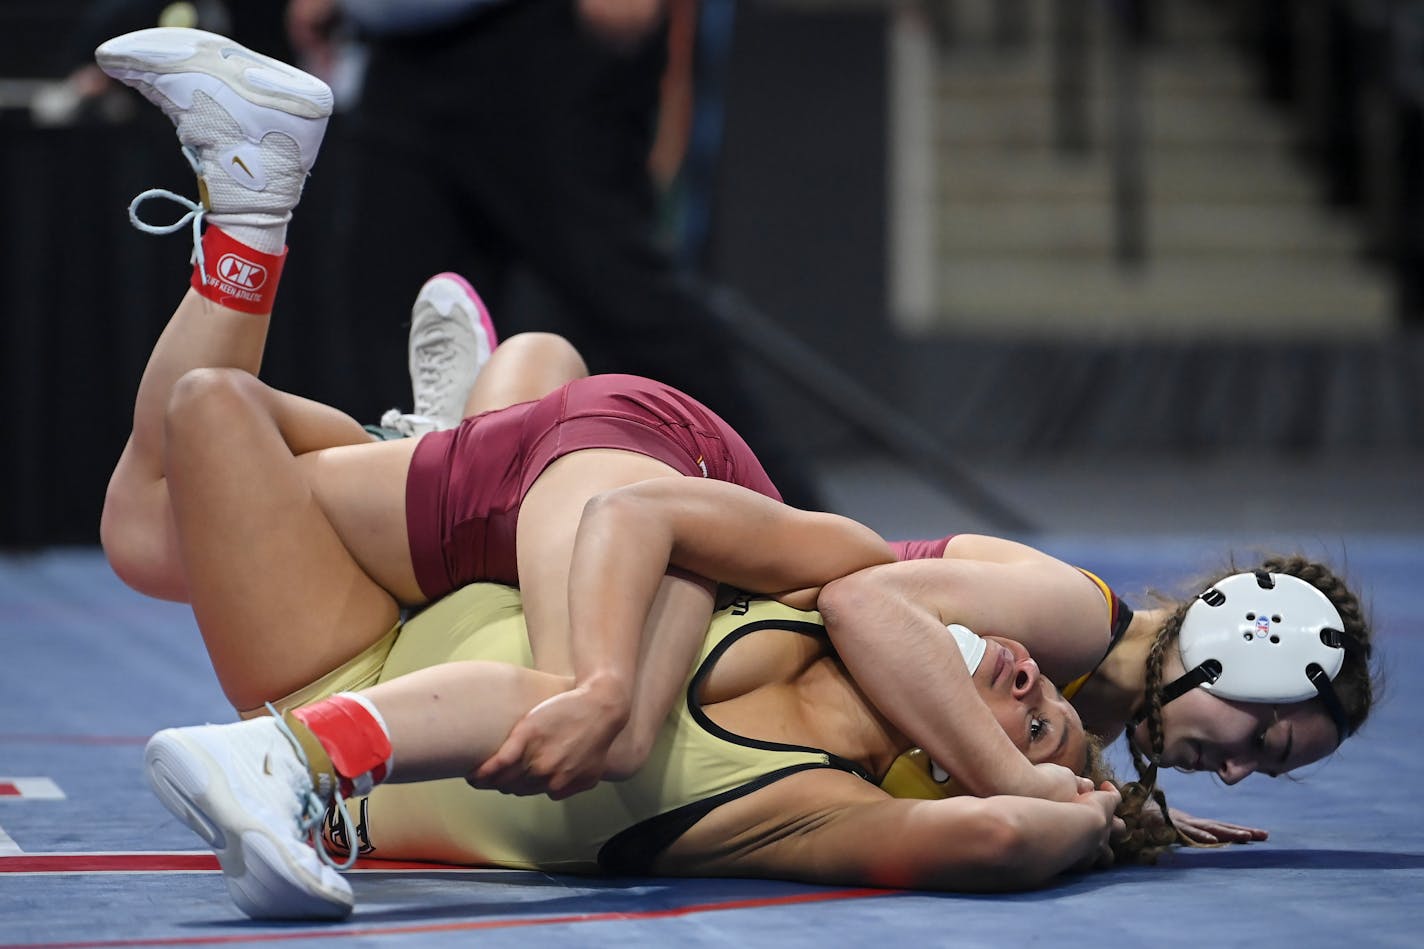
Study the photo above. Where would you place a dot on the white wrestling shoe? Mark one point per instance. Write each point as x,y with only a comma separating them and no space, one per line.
250,125
451,339
245,790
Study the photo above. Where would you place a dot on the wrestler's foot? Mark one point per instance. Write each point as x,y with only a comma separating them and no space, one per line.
244,789
250,125
451,338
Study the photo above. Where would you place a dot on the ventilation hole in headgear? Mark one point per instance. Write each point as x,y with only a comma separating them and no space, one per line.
1250,617
1276,618
1264,580
1275,638
1213,597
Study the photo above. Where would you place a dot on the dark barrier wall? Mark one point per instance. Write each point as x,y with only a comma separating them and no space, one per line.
801,216
82,313
87,297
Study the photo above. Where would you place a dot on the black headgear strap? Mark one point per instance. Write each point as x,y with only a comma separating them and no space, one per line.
1210,671
1326,689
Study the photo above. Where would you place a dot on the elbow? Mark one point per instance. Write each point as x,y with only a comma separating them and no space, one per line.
613,503
843,599
615,511
640,512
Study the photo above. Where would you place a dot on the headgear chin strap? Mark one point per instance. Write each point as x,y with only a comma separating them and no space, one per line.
1264,637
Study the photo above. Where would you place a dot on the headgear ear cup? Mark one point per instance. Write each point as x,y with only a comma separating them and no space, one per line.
1265,630
1265,638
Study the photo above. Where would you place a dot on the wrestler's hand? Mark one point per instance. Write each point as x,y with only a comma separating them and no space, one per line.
558,748
1104,799
1204,830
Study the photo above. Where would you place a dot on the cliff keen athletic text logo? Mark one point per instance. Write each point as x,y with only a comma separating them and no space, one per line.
245,276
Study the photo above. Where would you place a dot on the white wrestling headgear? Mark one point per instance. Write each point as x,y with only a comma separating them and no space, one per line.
971,646
1264,637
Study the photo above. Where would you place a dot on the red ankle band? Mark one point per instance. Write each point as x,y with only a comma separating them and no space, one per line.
355,740
236,276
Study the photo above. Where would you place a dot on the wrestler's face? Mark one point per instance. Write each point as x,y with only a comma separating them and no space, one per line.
1203,732
1029,708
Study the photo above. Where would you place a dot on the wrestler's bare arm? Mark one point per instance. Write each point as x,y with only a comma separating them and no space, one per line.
888,624
856,835
629,537
627,540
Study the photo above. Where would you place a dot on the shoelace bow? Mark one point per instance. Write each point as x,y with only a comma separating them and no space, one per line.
196,213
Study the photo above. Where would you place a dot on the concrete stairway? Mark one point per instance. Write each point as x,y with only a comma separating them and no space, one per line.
1239,243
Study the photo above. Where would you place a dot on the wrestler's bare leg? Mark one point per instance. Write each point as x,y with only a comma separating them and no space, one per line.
447,719
265,537
136,526
251,128
523,368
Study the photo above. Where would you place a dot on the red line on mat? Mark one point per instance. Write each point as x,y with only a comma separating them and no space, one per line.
161,862
345,932
16,738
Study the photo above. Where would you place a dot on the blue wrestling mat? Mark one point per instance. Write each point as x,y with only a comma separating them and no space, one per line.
88,857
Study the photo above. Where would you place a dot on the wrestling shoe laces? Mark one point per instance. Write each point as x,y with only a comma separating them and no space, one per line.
409,424
312,816
438,367
435,368
451,339
195,214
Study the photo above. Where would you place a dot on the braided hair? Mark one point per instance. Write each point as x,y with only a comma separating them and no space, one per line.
1149,834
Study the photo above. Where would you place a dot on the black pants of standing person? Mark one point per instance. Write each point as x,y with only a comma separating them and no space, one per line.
517,142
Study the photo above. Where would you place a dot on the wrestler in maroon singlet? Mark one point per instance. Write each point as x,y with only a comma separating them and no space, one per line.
465,485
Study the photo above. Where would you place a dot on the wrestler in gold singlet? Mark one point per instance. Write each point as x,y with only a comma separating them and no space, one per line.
616,827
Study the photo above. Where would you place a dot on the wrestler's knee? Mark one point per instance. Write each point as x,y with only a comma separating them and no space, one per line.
547,349
205,397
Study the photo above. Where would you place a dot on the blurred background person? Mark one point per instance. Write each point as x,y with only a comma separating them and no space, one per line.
513,141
